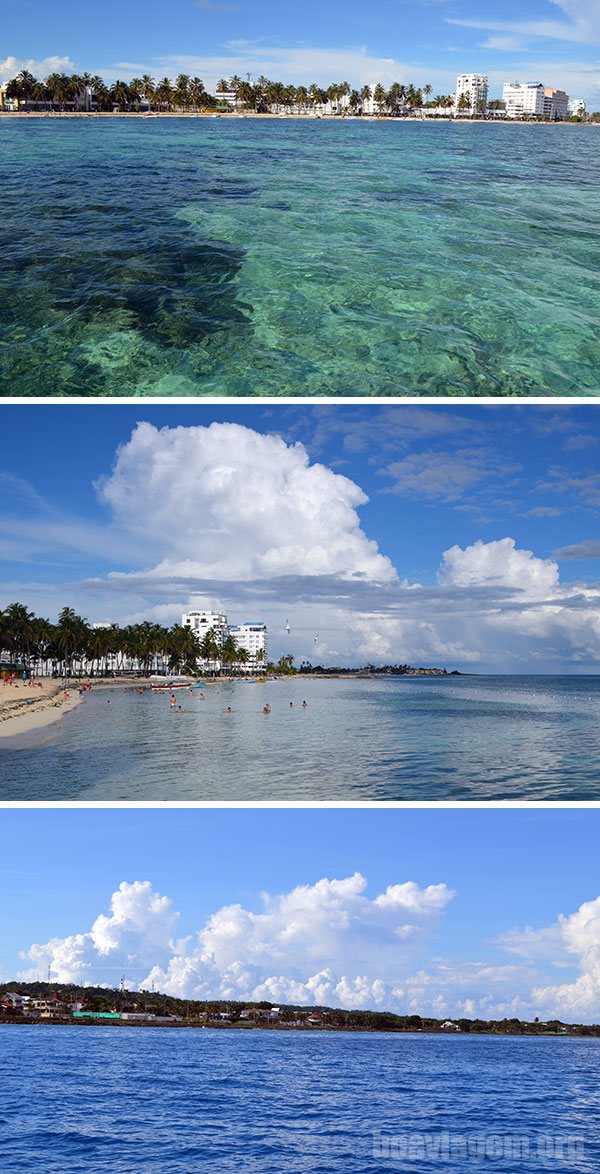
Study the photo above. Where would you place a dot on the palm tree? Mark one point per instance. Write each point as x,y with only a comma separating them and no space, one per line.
181,97
183,650
246,94
147,88
164,93
72,638
19,632
230,651
234,85
379,97
365,95
120,94
197,92
25,81
210,647
302,97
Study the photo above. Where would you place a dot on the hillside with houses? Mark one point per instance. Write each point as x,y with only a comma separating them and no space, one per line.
48,1003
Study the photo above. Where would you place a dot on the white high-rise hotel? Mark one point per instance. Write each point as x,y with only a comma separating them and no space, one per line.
532,99
251,636
474,86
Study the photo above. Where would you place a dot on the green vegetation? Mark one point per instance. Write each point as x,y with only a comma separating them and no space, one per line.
72,647
82,91
255,1014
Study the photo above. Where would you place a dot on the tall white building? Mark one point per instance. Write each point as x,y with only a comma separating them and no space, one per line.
577,107
523,99
252,637
556,104
202,622
474,86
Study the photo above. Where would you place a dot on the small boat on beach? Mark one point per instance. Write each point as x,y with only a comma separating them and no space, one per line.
172,683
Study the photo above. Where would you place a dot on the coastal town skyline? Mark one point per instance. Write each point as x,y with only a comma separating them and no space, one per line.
422,536
345,922
557,42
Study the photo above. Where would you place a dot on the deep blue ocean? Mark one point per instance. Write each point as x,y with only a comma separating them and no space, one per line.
453,738
105,1100
296,257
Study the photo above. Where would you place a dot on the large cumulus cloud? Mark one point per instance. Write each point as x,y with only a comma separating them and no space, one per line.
329,942
226,502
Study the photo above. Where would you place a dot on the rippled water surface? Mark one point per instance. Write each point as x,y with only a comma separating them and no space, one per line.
150,1101
409,739
202,256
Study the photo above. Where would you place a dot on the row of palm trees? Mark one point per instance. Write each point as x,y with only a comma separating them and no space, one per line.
72,647
189,94
87,90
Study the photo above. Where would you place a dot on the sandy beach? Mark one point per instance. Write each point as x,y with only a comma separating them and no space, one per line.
25,706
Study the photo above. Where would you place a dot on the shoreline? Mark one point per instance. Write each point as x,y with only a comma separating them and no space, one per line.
24,710
301,1029
252,115
28,710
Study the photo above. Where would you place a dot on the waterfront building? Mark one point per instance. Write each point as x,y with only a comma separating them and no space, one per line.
227,98
202,622
556,104
10,104
523,99
474,86
252,637
577,107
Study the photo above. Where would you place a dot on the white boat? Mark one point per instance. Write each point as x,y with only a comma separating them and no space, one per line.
172,683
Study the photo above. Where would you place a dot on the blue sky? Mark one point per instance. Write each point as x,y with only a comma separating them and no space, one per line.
464,536
555,41
488,889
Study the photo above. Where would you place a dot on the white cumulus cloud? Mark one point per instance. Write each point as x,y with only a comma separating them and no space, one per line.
329,942
11,66
321,942
498,564
230,503
138,930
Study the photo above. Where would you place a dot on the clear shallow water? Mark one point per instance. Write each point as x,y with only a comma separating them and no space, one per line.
462,738
278,258
133,1101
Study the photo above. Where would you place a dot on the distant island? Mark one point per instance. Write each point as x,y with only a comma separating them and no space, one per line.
62,1003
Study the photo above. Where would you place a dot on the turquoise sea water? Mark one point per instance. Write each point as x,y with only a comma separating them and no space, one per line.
462,738
239,257
175,1101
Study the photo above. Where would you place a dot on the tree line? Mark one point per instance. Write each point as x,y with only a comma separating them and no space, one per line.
73,647
189,94
100,998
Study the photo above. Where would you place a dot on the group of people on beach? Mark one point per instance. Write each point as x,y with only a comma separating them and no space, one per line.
9,679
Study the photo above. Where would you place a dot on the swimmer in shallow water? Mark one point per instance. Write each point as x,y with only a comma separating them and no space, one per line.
229,709
304,705
266,708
